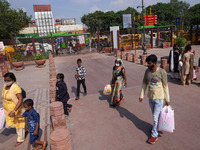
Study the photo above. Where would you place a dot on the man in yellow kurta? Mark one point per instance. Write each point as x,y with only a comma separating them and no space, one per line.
12,102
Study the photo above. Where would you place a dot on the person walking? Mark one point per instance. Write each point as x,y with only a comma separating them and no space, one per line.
33,124
174,57
62,93
155,79
80,77
12,103
187,68
118,78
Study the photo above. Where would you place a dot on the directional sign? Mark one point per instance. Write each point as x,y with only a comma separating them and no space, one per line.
150,16
150,19
178,21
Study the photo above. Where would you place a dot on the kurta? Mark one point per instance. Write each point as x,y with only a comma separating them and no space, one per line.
188,62
9,105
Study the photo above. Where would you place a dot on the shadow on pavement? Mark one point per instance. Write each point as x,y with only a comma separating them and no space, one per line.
140,124
8,131
73,90
104,97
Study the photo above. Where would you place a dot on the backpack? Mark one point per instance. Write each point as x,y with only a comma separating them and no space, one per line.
23,93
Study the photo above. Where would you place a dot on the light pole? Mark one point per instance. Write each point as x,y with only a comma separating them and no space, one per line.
144,44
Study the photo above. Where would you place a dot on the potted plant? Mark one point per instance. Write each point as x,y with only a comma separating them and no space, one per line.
40,60
181,41
18,63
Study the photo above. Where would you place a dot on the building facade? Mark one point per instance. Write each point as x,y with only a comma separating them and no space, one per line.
44,19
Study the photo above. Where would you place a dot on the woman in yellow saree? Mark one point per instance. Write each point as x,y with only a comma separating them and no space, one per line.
12,102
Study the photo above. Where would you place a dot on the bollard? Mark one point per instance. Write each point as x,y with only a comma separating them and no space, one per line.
135,59
143,60
1,74
118,54
60,140
3,69
123,55
115,52
128,56
198,72
57,115
8,65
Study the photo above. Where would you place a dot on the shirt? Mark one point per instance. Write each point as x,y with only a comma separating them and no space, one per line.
81,71
157,85
62,92
32,118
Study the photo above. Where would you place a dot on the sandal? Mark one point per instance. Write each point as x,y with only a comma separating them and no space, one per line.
37,147
17,144
44,145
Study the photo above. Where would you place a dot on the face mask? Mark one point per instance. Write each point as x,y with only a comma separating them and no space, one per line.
79,65
151,67
9,83
58,80
117,65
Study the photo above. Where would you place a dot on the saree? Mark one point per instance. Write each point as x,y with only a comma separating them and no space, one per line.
118,79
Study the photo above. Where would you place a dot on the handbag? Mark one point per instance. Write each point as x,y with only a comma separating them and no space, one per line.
107,90
166,120
2,118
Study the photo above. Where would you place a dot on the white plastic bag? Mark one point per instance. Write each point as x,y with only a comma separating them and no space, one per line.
107,90
2,118
166,120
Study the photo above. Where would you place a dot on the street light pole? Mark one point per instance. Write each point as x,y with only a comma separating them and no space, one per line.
144,44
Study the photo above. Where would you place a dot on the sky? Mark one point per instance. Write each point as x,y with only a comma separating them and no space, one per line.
77,8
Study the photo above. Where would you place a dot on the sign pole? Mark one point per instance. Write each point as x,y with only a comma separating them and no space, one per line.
144,45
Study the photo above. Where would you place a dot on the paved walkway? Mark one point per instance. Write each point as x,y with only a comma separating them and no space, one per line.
36,83
96,126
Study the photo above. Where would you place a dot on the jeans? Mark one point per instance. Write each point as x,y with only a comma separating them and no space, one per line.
79,82
156,106
65,106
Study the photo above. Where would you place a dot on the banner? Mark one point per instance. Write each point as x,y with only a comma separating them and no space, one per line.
127,21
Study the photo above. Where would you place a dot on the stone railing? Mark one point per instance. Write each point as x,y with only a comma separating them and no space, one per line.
60,136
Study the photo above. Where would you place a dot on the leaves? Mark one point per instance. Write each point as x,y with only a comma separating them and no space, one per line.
12,20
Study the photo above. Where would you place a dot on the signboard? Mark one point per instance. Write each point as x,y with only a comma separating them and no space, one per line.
150,19
178,21
59,40
115,41
81,39
150,16
127,21
1,47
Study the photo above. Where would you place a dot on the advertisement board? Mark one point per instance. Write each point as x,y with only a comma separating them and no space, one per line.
127,21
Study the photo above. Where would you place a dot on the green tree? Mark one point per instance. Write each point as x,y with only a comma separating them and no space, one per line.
107,19
12,20
167,12
193,15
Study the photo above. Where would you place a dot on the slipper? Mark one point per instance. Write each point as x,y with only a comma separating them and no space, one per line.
70,108
37,147
17,144
44,145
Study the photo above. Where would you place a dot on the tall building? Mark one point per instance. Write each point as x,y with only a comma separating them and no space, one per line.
44,19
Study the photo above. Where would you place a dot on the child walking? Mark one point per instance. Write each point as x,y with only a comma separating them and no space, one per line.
62,93
80,77
33,121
